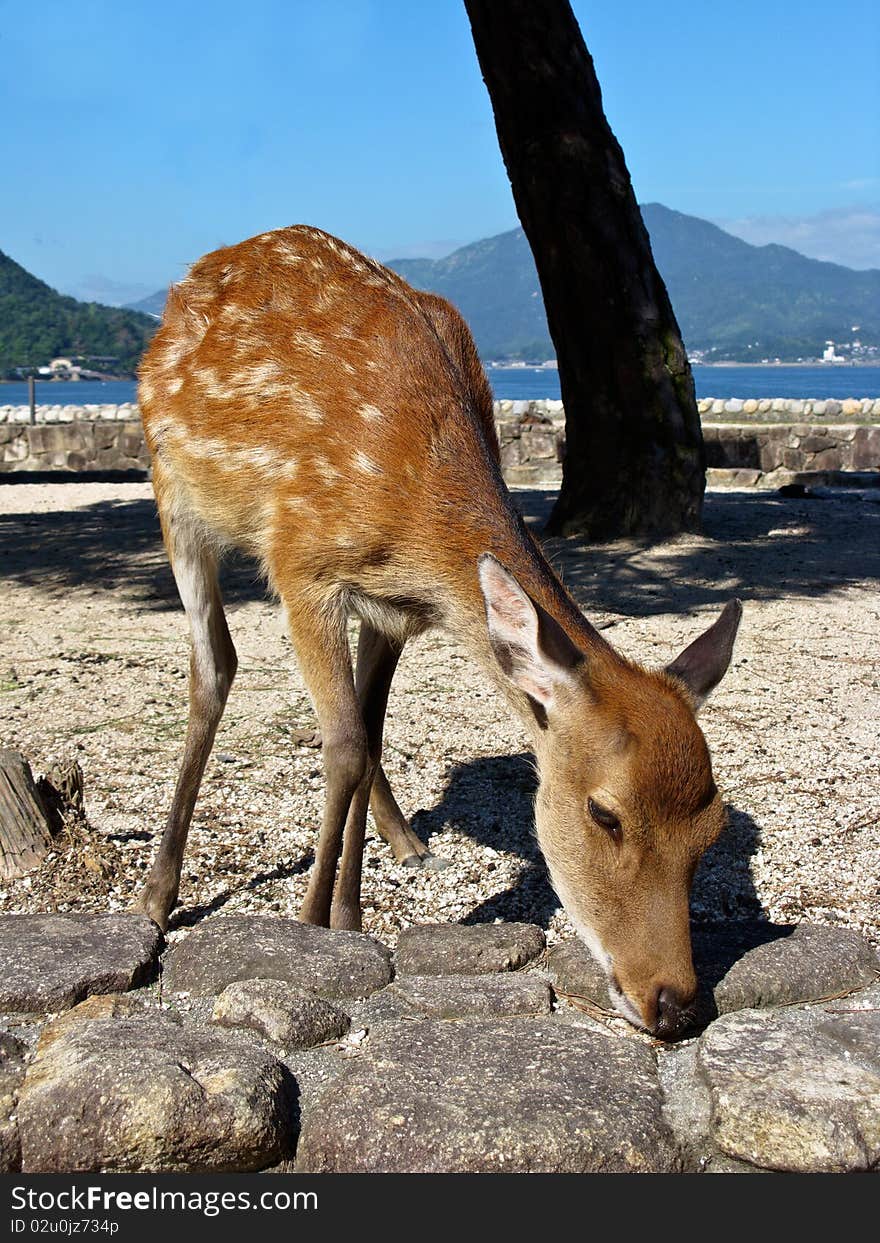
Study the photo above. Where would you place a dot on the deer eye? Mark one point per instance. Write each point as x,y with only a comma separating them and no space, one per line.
606,819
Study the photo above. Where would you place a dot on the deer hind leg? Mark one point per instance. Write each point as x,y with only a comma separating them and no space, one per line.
318,634
377,662
212,668
393,826
377,659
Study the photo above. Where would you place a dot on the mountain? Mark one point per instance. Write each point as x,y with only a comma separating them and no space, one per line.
37,324
735,300
154,304
732,300
495,286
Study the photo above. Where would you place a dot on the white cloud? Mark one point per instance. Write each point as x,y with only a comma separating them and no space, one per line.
847,235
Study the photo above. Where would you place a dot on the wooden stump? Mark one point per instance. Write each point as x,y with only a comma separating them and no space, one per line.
25,830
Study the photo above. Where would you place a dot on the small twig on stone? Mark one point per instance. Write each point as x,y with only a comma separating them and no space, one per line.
847,992
589,1004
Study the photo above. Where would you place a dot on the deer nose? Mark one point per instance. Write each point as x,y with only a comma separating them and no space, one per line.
672,1014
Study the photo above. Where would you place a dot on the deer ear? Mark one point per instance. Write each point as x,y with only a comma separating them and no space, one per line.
703,664
533,650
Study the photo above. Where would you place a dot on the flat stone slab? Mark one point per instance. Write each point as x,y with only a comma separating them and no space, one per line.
325,961
576,974
50,962
472,949
291,1018
458,997
811,963
142,1093
795,1090
516,1096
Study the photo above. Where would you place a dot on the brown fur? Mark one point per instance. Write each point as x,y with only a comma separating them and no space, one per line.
305,403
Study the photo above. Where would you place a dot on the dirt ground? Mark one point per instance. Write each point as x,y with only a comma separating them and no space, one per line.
93,661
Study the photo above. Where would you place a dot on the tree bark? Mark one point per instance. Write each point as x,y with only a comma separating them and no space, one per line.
635,463
25,833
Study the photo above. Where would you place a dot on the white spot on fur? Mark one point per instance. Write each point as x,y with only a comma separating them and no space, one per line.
173,356
175,385
366,464
307,407
327,472
230,457
162,427
263,459
211,382
371,413
308,341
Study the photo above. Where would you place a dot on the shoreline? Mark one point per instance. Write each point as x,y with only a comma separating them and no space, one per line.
848,366
540,366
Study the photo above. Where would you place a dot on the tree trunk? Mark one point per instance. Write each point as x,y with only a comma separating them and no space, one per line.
25,834
635,463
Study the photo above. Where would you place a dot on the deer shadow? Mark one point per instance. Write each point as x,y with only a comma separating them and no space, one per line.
491,799
189,916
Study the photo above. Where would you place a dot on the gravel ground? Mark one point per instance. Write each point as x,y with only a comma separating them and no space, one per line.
93,666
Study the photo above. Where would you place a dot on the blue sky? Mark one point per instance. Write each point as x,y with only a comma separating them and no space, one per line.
138,135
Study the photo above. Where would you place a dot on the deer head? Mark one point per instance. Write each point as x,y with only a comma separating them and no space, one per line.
626,802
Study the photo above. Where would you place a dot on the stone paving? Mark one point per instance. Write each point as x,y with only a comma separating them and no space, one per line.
260,1043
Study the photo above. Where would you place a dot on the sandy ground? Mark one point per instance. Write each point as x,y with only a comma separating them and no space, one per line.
93,661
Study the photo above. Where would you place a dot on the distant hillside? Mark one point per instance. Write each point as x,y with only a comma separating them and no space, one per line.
495,286
732,300
741,301
37,324
152,305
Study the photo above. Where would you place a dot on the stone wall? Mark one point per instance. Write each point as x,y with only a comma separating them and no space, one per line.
773,408
767,455
763,443
80,445
763,448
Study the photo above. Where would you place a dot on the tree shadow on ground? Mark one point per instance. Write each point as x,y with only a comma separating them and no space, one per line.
109,546
491,800
755,545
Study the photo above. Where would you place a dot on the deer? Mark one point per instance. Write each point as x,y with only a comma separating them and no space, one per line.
305,404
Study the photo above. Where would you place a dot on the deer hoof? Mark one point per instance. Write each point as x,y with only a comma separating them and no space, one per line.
150,904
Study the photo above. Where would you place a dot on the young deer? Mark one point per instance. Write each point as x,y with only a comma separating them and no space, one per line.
304,403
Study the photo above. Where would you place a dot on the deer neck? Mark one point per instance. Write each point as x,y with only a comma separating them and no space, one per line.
478,516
